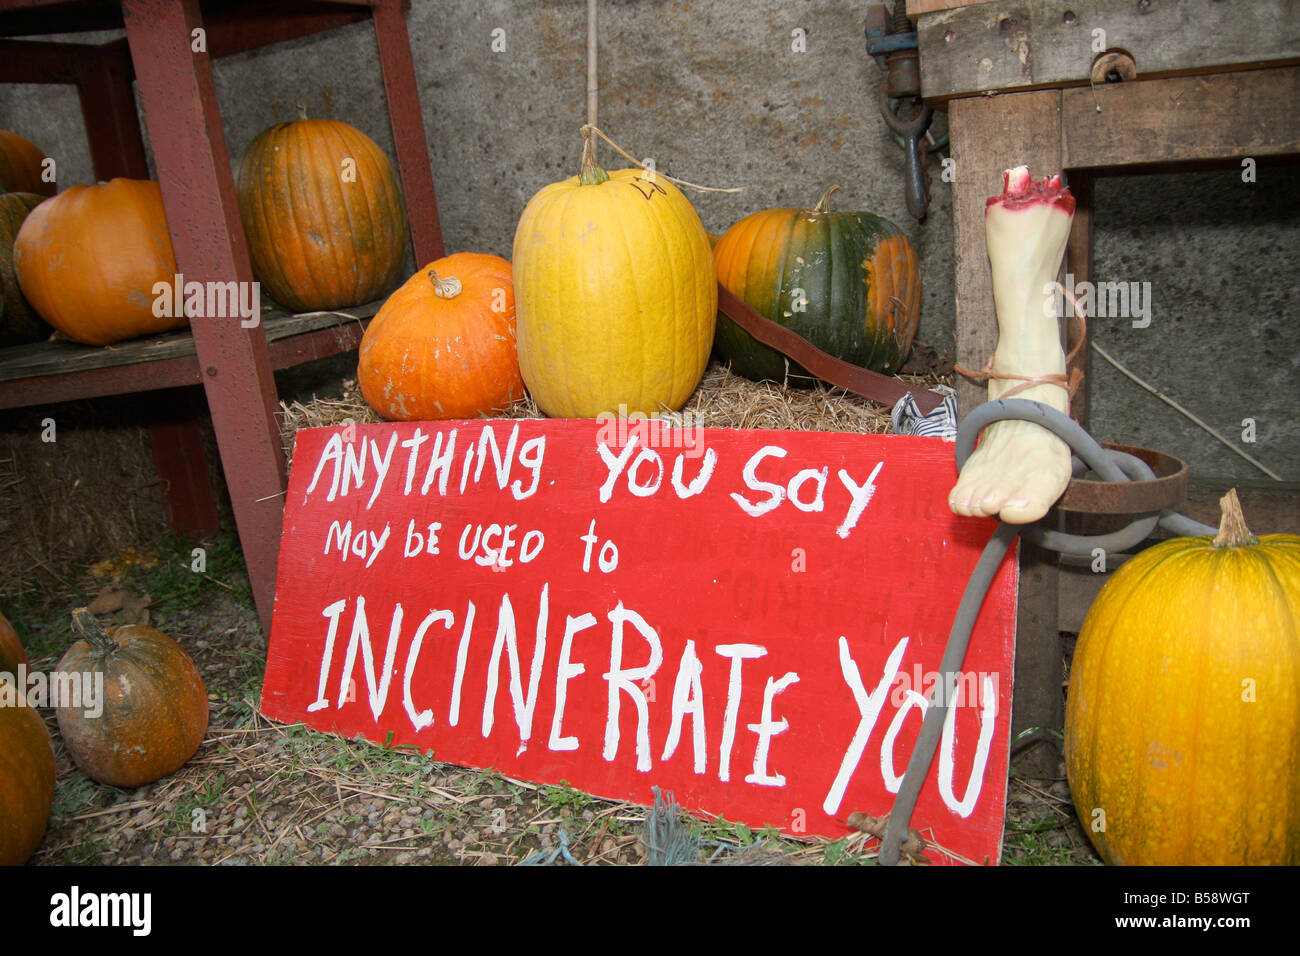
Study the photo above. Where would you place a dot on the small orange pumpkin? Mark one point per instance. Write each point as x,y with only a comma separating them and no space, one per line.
11,649
88,260
21,166
443,345
26,779
323,214
155,707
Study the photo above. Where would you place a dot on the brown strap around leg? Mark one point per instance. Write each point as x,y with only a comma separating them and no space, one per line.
879,388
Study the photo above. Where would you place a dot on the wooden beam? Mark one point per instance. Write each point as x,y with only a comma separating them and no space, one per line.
1217,116
1078,265
990,134
1020,44
404,114
180,108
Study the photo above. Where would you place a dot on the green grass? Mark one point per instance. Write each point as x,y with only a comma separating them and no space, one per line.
204,798
189,571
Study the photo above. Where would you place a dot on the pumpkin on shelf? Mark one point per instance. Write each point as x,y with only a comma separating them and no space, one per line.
846,281
323,214
155,706
19,322
88,260
443,345
26,777
21,164
615,293
1182,728
11,649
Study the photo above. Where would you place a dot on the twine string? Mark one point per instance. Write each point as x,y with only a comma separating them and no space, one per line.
1070,383
640,165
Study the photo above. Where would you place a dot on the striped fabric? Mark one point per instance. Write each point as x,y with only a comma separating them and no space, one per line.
940,423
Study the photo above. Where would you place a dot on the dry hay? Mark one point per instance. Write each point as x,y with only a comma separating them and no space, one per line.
722,400
69,502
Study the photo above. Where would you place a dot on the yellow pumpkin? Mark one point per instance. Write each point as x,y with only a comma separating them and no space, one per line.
1182,734
615,294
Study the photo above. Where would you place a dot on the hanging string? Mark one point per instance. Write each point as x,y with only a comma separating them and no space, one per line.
640,165
593,85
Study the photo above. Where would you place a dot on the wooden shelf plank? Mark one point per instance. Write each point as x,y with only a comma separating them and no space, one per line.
1183,119
1017,45
62,371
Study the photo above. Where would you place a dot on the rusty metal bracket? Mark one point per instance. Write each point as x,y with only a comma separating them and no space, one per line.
1167,490
891,41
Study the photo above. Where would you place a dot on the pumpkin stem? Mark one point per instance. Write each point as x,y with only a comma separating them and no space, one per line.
302,111
1233,532
92,632
592,174
445,287
822,203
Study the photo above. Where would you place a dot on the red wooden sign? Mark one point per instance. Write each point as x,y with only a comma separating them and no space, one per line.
751,620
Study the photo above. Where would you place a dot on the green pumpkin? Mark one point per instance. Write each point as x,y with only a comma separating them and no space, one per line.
19,322
846,281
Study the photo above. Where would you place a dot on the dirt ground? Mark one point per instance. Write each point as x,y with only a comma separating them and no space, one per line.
263,793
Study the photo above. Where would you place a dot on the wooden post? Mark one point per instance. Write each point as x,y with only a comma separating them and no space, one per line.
990,134
408,131
180,108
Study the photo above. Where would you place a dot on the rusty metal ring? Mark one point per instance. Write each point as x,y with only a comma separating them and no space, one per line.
1167,490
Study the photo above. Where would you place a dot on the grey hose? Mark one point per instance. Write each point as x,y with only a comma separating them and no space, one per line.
1110,465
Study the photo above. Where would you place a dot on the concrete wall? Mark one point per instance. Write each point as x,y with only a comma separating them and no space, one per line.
716,94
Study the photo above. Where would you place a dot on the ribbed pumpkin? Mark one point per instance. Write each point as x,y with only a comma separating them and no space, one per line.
20,166
11,649
19,322
323,214
846,281
1182,734
615,294
155,704
443,345
88,260
26,780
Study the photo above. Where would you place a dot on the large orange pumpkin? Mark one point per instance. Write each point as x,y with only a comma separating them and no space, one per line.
26,778
1182,728
323,214
155,707
21,166
443,345
846,281
89,258
11,649
19,323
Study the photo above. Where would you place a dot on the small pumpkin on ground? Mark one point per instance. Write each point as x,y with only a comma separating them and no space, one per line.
11,649
21,166
323,214
1182,729
846,281
155,707
615,293
26,779
443,345
88,260
19,322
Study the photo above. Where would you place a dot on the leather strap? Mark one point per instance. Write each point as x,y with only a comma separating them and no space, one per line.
879,388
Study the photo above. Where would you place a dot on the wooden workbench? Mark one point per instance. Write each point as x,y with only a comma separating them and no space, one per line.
1210,82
